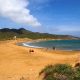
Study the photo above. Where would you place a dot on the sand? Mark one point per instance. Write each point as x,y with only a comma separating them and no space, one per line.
16,62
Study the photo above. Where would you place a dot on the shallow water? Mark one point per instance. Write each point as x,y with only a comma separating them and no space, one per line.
58,44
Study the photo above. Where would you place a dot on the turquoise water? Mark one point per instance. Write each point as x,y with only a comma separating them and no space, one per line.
58,44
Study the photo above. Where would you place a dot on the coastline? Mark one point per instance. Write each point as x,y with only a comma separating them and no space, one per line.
16,61
31,45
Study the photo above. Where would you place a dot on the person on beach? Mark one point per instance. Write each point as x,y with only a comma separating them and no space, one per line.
54,48
31,51
14,37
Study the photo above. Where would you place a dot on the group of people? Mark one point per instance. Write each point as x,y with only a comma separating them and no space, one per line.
31,51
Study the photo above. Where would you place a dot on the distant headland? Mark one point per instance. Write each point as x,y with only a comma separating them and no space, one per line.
8,34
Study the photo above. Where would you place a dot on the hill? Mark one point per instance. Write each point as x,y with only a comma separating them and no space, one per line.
7,33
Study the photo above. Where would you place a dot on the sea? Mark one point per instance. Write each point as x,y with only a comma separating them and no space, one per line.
57,44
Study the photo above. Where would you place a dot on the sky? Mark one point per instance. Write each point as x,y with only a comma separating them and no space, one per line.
46,16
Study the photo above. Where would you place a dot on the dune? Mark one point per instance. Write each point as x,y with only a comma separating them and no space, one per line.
17,63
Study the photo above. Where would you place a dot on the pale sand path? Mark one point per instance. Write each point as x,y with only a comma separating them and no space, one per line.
16,61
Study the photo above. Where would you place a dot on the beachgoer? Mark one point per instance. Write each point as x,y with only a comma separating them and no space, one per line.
14,37
54,48
31,50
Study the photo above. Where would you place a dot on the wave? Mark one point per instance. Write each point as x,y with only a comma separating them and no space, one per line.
27,45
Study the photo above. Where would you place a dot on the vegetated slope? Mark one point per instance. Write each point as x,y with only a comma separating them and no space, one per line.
7,33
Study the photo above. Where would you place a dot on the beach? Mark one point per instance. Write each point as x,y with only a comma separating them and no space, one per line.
16,62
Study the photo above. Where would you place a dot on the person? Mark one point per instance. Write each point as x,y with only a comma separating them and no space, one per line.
54,48
14,37
30,51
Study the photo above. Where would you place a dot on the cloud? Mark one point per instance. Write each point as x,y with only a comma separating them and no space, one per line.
17,11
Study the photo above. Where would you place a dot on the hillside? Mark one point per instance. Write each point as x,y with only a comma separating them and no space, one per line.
7,33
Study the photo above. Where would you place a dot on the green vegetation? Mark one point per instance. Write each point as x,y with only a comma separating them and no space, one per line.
61,72
23,33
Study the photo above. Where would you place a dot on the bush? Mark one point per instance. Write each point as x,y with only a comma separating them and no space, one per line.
60,72
77,73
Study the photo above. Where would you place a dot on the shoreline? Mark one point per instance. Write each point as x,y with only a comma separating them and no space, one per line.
26,44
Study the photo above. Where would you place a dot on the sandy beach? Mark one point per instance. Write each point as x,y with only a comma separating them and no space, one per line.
17,62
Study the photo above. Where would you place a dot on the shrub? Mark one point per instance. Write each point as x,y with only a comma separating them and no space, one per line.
58,72
77,73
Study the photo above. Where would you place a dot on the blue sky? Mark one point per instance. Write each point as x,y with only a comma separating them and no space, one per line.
50,16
